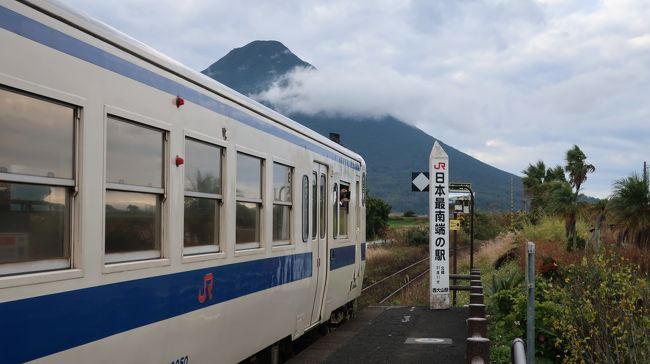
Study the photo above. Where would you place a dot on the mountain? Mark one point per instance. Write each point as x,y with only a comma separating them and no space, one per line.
252,68
392,149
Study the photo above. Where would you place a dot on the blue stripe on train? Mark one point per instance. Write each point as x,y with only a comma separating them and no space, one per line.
55,39
35,327
341,257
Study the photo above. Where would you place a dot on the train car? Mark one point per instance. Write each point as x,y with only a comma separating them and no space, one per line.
150,214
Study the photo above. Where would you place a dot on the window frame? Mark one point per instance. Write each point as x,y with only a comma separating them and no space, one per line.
115,262
305,220
20,273
338,208
322,205
314,208
287,164
255,246
188,254
335,211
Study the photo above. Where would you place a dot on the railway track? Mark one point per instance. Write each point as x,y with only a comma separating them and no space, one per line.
389,278
404,271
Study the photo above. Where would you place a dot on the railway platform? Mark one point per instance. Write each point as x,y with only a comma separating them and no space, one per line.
394,334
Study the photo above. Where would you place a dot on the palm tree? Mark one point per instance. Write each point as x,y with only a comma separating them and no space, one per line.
629,208
540,182
577,168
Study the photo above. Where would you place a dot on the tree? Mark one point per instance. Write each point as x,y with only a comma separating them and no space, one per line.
377,211
540,182
550,191
577,168
629,209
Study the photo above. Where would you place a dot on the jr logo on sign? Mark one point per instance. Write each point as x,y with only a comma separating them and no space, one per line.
440,165
206,292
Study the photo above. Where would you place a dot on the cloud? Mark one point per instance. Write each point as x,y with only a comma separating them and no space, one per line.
508,81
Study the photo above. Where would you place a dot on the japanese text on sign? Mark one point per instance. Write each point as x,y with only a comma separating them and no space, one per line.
439,227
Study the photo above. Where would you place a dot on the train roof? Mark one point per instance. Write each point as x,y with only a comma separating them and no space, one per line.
138,49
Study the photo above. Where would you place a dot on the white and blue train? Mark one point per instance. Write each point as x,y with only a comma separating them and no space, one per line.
149,214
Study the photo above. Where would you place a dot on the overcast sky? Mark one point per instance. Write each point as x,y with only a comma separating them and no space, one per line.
506,81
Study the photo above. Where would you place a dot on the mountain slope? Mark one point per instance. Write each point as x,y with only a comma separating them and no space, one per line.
392,149
253,67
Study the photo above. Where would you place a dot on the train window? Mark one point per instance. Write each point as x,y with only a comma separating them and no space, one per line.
134,154
357,205
249,201
134,191
344,209
364,188
335,212
202,197
37,181
314,205
282,203
305,208
321,220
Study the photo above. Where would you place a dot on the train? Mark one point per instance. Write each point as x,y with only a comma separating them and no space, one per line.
149,214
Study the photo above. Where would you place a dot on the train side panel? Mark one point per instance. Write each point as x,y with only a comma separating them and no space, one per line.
222,306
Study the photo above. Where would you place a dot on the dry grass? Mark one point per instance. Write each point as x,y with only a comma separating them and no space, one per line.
382,261
563,258
550,243
417,294
489,252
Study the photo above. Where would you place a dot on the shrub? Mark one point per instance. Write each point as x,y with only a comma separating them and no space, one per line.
418,235
604,317
546,229
409,213
486,226
377,211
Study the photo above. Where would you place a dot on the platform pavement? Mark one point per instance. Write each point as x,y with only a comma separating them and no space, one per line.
379,335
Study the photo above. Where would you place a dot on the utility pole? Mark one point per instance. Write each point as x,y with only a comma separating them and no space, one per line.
512,200
645,172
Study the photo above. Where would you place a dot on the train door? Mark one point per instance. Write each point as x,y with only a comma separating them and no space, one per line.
319,235
357,229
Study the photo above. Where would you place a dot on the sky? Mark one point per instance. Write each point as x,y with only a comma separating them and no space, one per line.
509,82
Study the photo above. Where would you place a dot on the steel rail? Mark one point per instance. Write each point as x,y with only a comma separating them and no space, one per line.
394,274
404,286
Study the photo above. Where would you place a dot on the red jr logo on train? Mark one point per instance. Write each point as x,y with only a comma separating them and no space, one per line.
440,165
206,291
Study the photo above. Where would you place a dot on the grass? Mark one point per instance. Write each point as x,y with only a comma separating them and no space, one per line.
549,240
399,221
383,260
417,294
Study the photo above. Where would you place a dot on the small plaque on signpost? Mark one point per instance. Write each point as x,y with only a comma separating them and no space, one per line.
459,187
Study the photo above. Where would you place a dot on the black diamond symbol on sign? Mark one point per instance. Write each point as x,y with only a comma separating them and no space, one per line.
420,181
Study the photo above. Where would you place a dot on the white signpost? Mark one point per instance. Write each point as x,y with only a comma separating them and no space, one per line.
439,228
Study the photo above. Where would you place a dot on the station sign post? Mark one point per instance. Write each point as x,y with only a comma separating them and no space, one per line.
439,228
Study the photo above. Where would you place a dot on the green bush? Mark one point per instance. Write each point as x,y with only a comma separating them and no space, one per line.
409,213
486,226
547,228
418,235
507,304
605,312
377,211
